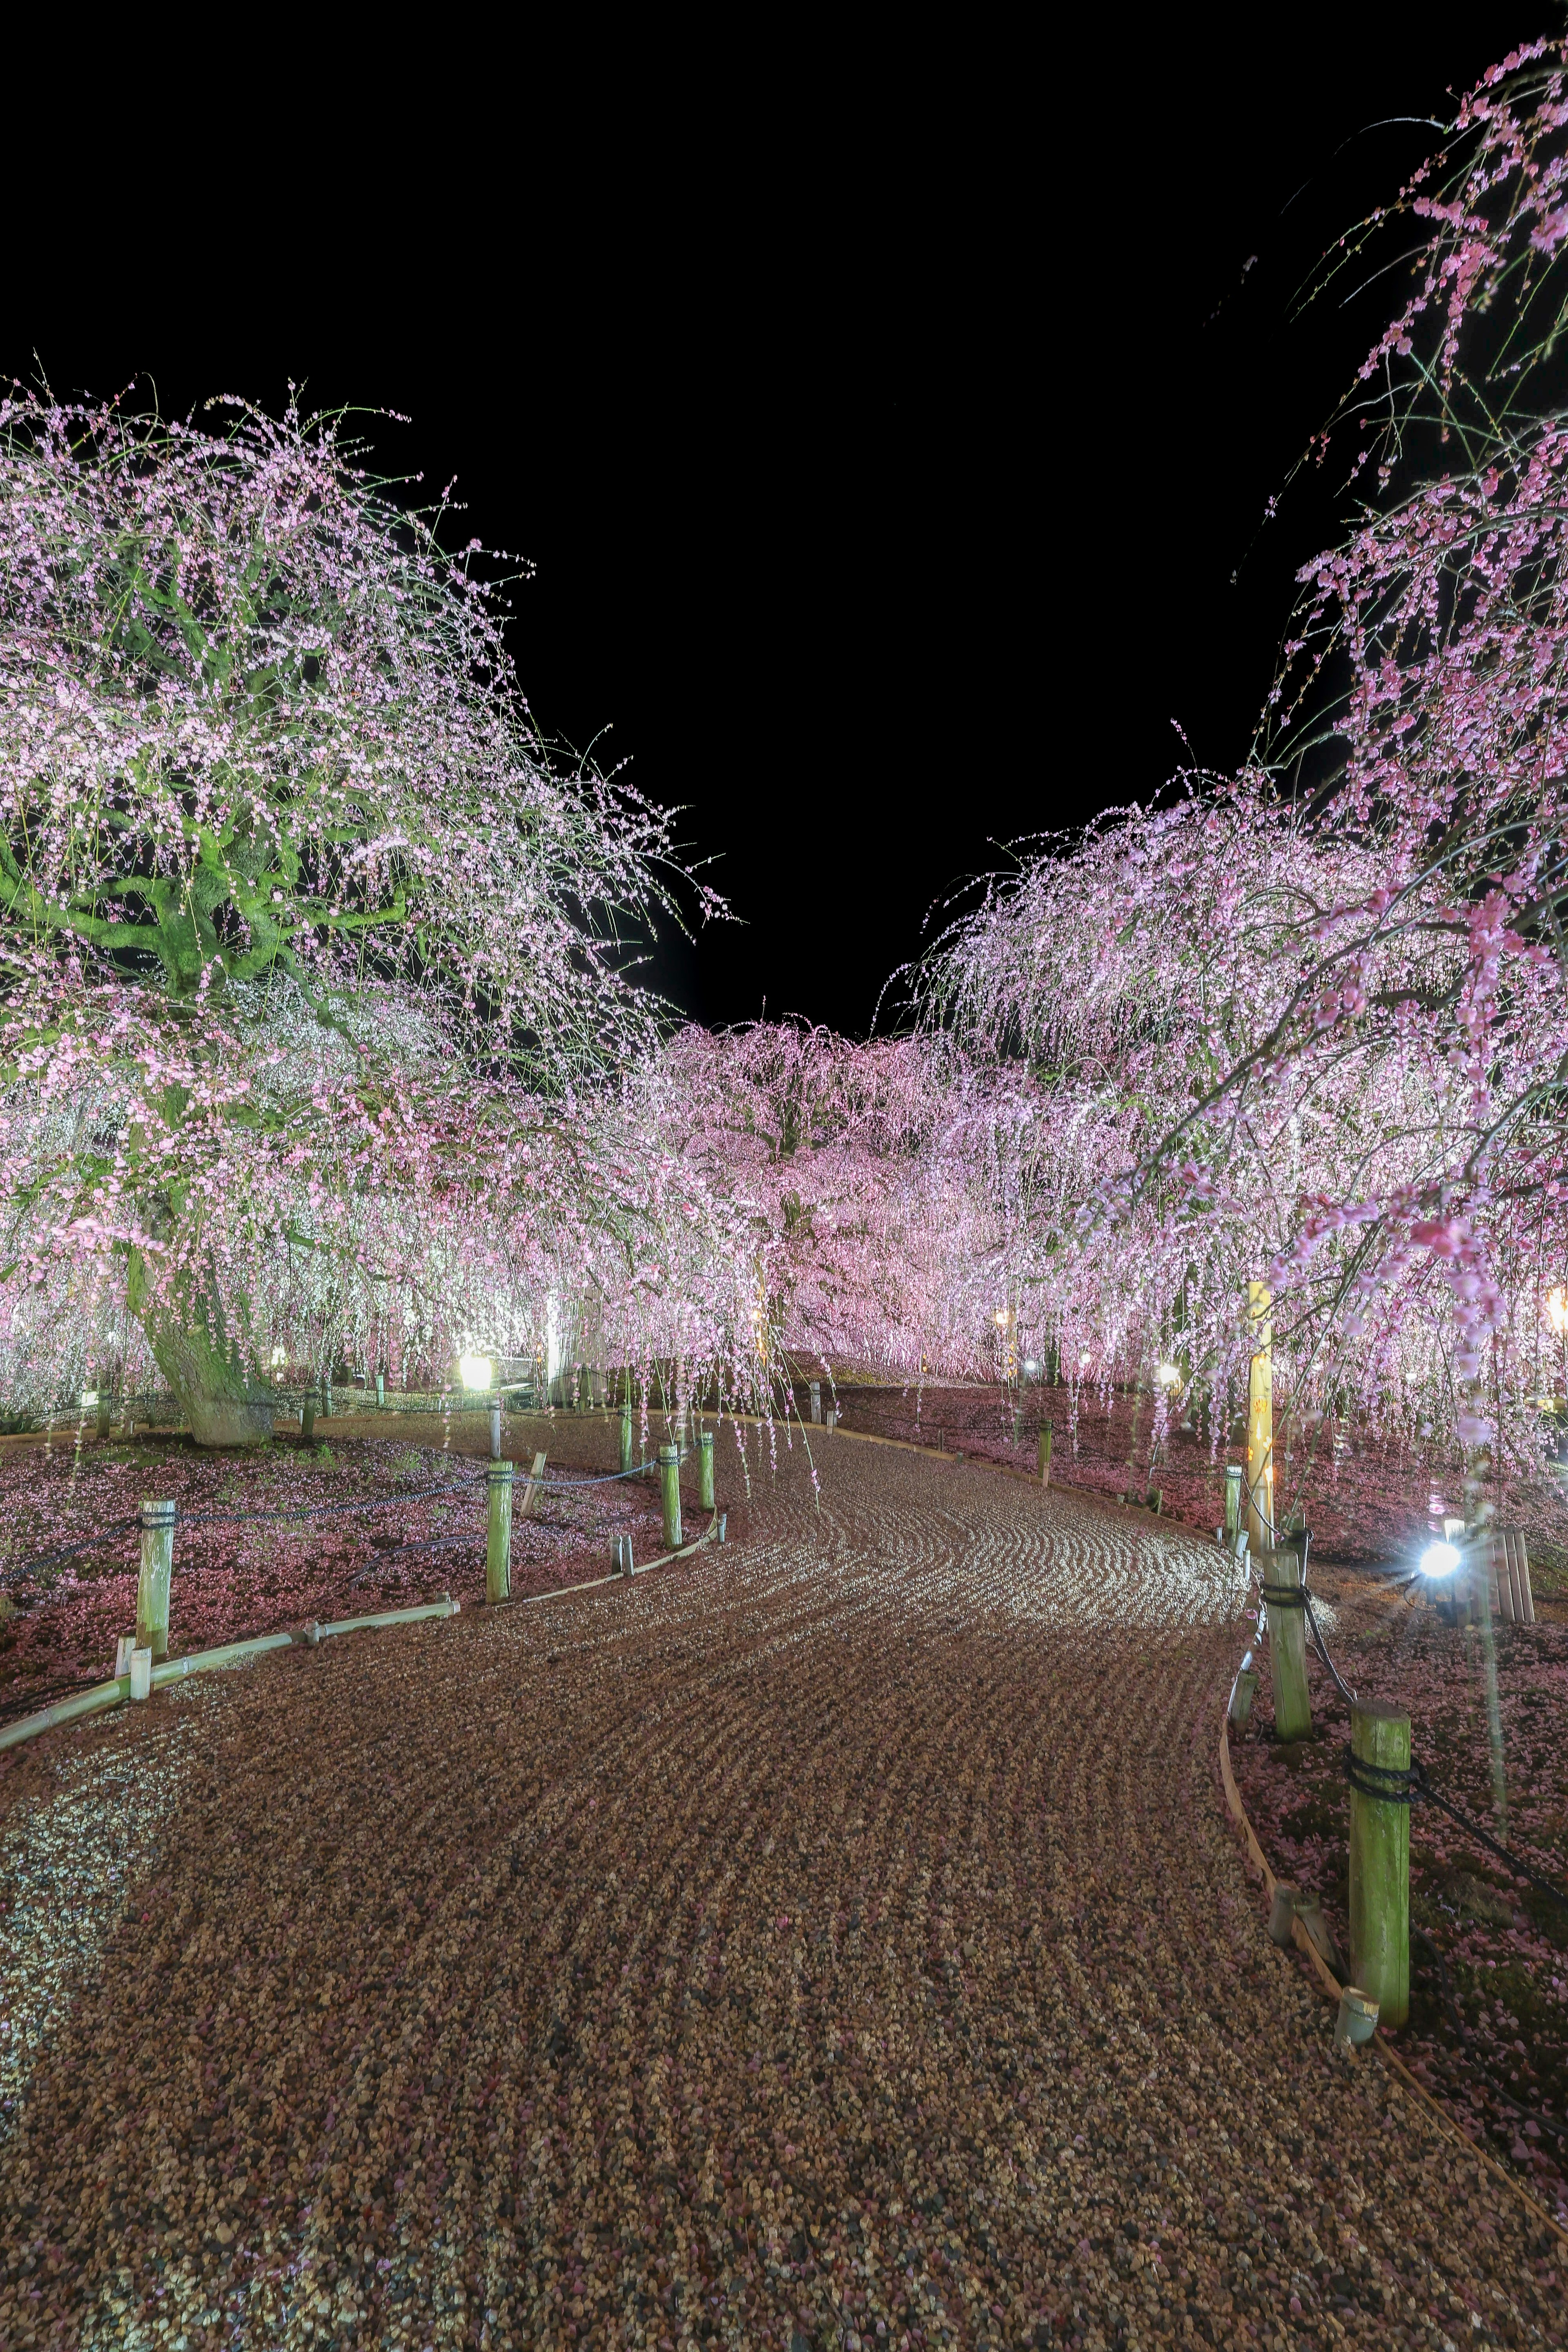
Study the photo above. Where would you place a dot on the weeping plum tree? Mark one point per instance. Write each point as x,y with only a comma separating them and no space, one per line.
872,1238
1311,1022
315,988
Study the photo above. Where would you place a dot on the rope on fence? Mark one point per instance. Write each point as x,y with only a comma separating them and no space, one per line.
67,1552
1520,1869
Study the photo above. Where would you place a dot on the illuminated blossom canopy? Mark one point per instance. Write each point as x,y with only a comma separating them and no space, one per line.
316,1007
1308,1024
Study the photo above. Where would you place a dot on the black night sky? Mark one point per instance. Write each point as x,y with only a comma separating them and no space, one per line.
884,491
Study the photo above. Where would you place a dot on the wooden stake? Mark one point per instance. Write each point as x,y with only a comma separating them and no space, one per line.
1233,1477
498,1542
816,1400
1242,1696
530,1491
1288,1648
105,1408
1380,1863
308,1418
670,1480
1046,1453
705,1470
626,1430
495,1432
1260,1424
153,1586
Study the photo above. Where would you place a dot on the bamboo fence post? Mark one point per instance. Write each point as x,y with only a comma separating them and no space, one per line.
308,1417
1380,1857
670,1480
1260,1424
327,1396
495,1432
627,1431
705,1470
105,1410
1288,1646
1242,1696
152,1585
380,1391
1046,1453
1232,1479
816,1400
497,1536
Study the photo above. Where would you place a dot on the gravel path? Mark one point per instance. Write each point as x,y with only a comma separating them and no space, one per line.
836,1942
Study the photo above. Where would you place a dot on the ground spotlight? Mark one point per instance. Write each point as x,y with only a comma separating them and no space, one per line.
1439,1560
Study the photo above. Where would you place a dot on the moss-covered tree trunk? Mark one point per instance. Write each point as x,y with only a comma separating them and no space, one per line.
212,1371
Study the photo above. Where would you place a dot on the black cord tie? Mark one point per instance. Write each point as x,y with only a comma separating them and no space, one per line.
1383,1780
1284,1596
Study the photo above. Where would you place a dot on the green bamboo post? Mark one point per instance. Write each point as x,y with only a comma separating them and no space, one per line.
1288,1648
1380,1863
1045,1453
1260,1424
327,1398
626,1430
705,1470
1232,1479
308,1417
498,1543
105,1410
669,1479
380,1391
152,1585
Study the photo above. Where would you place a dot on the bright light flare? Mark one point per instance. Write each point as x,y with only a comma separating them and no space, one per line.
476,1371
1439,1560
1169,1376
1030,1366
1557,1310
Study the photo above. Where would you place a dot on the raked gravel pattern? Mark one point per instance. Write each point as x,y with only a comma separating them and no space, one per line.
835,1941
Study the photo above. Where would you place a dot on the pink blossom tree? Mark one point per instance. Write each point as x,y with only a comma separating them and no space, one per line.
318,1010
1308,1024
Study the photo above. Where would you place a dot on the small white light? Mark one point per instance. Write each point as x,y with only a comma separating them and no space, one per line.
1030,1366
279,1355
1001,1318
1170,1376
1439,1560
1084,1358
476,1371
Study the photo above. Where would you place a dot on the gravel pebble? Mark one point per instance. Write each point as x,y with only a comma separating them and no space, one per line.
836,1941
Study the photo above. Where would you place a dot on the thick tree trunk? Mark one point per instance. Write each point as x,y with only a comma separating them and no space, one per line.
220,1390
